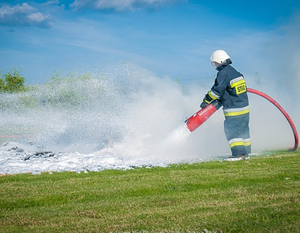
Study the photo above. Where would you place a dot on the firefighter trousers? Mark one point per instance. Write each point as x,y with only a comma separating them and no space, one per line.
237,133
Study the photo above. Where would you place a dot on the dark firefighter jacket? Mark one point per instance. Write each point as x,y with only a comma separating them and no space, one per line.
231,90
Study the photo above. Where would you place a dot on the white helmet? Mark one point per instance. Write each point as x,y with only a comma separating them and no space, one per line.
220,57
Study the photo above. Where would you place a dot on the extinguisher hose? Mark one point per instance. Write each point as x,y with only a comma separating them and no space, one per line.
282,111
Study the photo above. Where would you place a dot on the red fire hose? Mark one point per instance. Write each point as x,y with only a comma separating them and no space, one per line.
283,112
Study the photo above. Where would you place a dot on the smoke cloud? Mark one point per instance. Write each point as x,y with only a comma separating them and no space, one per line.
125,111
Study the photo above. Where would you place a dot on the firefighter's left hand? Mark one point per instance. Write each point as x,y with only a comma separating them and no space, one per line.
203,104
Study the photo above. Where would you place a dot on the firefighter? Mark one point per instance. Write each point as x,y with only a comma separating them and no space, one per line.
231,91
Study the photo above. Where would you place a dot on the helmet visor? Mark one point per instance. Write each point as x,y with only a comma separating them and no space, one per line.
215,64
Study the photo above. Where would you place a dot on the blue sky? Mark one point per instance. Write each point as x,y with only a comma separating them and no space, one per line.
171,38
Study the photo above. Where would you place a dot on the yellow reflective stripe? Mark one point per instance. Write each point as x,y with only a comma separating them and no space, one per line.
237,83
247,143
212,95
237,113
237,144
240,144
206,101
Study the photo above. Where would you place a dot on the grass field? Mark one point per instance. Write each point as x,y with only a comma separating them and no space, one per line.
261,194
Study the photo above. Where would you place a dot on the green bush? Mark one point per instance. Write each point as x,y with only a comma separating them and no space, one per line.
12,81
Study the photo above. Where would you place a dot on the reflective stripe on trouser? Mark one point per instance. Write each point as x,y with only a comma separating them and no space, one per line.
237,133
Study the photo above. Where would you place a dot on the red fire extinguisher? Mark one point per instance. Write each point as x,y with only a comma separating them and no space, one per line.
202,115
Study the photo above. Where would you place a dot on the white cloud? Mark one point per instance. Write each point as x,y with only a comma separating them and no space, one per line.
37,17
23,15
119,5
55,2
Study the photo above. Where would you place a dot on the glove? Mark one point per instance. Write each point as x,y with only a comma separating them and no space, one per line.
203,104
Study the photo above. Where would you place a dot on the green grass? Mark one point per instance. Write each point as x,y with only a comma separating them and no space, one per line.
257,195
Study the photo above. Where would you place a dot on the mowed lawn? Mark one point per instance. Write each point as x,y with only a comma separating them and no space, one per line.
261,194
